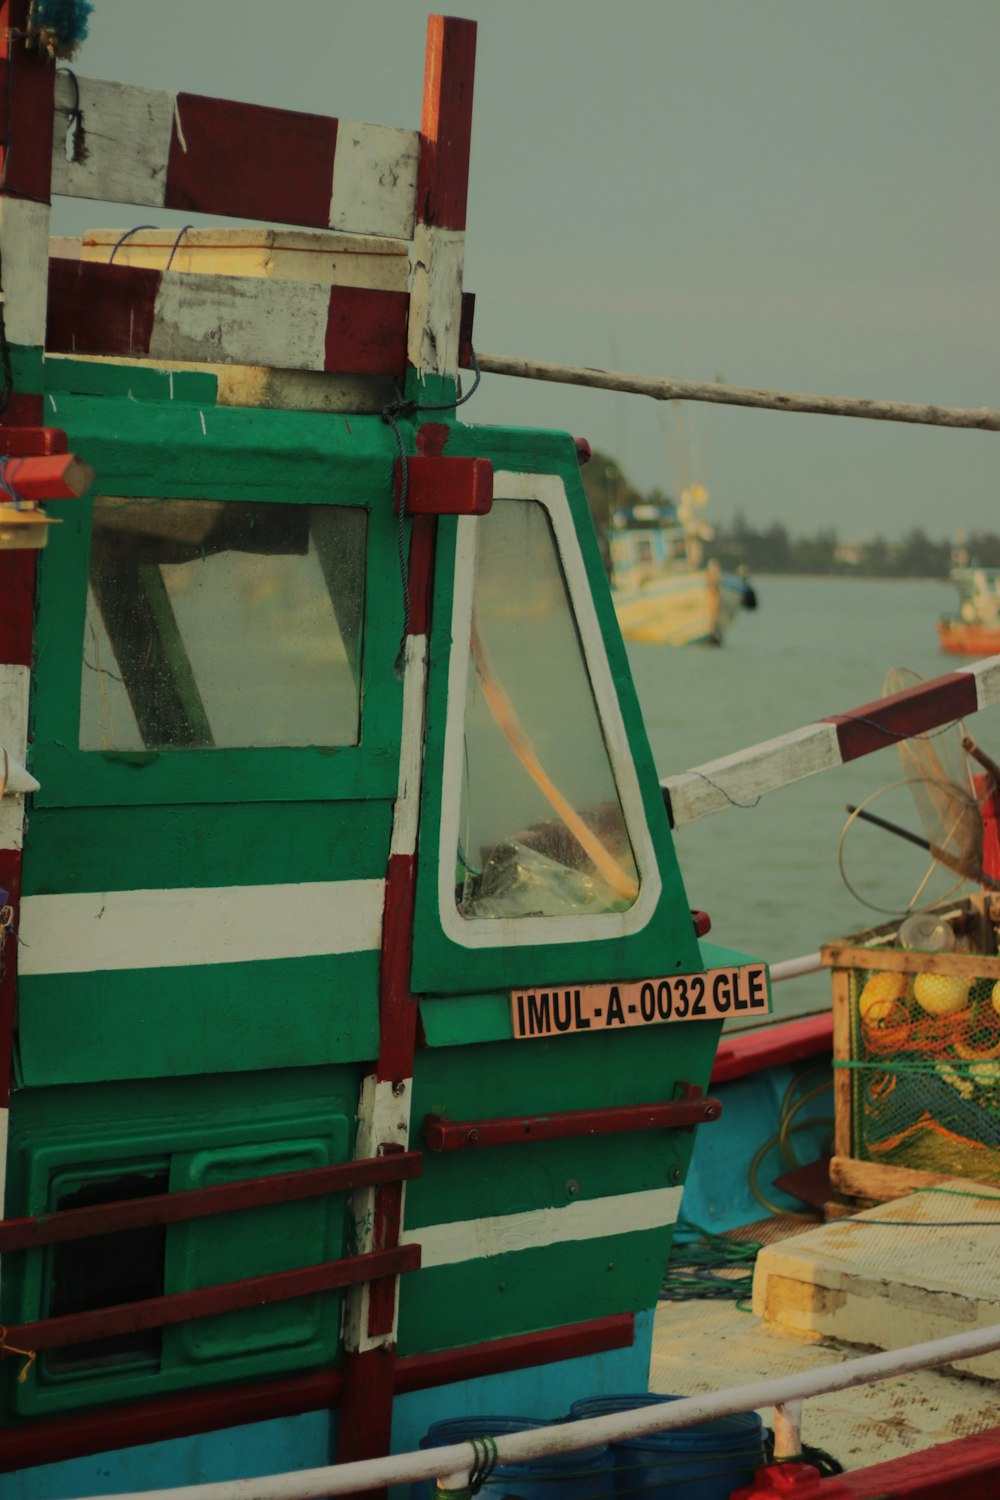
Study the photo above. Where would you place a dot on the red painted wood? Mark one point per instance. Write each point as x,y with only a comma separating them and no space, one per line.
25,409
182,1307
989,801
366,331
417,1372
915,709
422,538
397,1006
445,486
466,342
190,1412
196,1203
442,1134
59,476
17,607
432,439
100,309
769,1046
250,161
32,441
446,125
94,308
966,1469
10,881
365,1426
27,109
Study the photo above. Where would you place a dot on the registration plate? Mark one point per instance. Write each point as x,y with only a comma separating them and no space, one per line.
713,995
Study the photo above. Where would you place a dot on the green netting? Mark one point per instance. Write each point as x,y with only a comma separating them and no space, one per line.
925,1072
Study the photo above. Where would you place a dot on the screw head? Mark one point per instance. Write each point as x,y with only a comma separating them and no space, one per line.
675,1174
573,1187
472,1136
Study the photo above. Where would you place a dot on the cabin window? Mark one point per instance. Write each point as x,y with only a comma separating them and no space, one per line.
106,1270
541,827
220,624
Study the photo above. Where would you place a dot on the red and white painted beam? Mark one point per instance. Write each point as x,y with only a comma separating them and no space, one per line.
741,779
160,149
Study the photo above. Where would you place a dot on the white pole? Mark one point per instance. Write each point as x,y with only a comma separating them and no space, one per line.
792,968
659,389
566,1437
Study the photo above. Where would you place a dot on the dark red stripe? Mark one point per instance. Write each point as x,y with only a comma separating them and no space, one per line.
387,1226
967,1467
422,539
36,442
17,606
233,1296
446,126
197,1203
465,330
249,161
27,110
442,1134
100,309
366,331
189,1412
769,1046
914,710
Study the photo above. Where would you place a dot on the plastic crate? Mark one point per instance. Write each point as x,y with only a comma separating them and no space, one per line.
916,1045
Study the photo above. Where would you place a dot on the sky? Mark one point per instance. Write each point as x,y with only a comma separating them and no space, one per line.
789,194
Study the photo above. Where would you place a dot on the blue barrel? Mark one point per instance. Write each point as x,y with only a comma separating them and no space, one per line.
704,1462
587,1475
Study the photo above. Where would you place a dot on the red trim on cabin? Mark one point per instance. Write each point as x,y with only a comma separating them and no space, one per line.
24,409
231,1296
465,330
768,1046
251,161
432,439
24,442
27,109
914,710
397,1007
442,1134
446,125
108,1428
17,606
445,486
388,1222
96,308
422,539
366,331
100,309
57,476
195,1203
967,1466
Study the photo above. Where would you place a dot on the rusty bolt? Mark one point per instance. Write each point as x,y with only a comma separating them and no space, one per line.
675,1174
472,1137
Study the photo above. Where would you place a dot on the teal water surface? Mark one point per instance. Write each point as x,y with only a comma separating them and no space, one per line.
768,875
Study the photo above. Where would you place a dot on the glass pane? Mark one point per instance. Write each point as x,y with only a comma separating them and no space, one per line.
541,829
221,624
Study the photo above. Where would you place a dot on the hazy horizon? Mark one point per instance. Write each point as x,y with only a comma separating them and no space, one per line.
787,194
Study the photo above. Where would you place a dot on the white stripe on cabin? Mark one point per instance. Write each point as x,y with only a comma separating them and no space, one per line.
14,685
24,254
383,1120
128,132
94,930
243,320
594,1218
374,179
436,299
741,778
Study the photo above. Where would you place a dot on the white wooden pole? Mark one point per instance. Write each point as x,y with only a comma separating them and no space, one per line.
568,1437
661,389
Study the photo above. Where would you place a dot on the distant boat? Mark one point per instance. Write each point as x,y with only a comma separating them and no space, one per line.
665,592
975,631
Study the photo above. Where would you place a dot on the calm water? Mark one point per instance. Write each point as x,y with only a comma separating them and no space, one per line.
769,876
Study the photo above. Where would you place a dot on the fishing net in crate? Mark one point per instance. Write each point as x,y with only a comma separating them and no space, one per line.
925,1067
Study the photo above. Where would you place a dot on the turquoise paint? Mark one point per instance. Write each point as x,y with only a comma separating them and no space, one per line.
285,1445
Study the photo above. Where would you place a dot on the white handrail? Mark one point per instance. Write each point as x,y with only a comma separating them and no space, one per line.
793,968
452,1464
